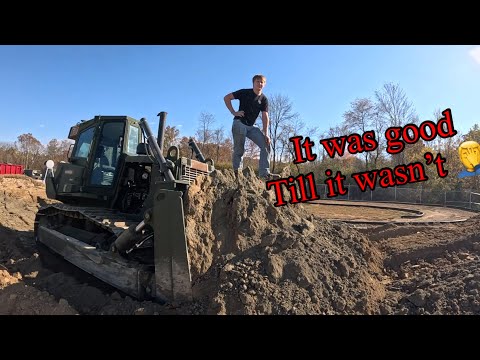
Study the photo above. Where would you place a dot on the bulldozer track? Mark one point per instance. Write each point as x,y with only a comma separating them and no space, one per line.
107,219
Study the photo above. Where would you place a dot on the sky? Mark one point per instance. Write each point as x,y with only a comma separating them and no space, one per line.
47,89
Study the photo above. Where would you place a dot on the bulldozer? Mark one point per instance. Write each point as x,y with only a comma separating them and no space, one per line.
119,214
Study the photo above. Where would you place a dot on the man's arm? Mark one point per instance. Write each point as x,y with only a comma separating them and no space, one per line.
266,122
228,102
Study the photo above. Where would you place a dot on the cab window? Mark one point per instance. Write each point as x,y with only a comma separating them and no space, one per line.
132,140
109,149
84,143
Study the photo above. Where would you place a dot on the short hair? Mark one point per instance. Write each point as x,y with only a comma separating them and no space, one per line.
259,76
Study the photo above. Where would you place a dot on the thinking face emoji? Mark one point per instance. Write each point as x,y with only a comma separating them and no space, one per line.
469,153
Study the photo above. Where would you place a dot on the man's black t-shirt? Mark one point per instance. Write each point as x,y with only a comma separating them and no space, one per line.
251,104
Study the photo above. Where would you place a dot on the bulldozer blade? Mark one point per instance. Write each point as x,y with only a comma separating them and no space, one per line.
172,267
104,265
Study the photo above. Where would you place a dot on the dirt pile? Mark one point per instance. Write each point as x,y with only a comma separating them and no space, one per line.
250,257
20,198
20,299
247,257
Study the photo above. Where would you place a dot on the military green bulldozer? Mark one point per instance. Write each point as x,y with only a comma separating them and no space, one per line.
120,212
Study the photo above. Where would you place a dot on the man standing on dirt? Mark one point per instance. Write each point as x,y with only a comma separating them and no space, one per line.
252,101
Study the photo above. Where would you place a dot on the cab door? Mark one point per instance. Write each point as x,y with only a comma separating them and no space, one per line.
108,149
69,177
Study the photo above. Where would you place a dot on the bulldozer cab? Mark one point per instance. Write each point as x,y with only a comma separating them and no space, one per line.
101,145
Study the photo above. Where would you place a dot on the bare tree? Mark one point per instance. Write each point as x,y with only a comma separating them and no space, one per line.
227,150
251,155
331,133
379,126
218,139
395,109
286,150
30,148
394,106
359,119
52,150
204,131
65,146
56,150
281,114
442,145
171,135
314,134
9,153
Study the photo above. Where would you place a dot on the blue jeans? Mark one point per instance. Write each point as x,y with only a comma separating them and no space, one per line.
240,132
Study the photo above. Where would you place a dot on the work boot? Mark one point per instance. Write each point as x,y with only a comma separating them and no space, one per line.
237,176
270,177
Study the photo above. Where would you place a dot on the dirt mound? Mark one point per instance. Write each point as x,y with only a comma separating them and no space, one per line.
20,299
247,257
20,198
250,257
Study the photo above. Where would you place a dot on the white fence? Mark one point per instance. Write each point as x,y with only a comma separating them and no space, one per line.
462,199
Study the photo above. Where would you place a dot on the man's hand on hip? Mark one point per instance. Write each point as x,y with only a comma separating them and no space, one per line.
267,139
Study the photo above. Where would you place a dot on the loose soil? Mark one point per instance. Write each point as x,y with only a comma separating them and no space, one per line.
250,257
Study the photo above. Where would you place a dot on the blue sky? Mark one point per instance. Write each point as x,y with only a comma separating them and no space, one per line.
47,89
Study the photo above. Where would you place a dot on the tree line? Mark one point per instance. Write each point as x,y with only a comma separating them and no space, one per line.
387,107
29,151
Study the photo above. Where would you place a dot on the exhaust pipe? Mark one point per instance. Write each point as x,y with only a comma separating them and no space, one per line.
161,129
